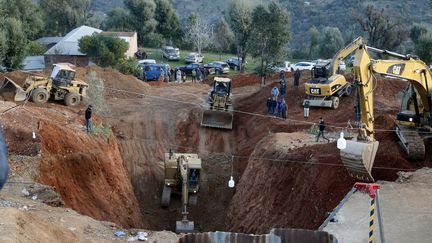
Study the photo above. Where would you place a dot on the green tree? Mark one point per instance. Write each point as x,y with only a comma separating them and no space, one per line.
27,12
34,49
314,41
240,20
382,31
142,14
197,32
331,41
61,16
3,46
168,23
222,37
118,19
423,48
105,50
417,31
14,42
269,35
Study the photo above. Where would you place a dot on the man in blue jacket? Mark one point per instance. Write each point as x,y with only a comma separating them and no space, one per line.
4,167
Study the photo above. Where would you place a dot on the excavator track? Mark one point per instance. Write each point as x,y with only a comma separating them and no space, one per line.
412,142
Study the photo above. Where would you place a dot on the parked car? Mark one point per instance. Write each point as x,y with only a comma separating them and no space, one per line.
219,67
171,53
152,72
277,67
303,66
234,62
188,68
194,57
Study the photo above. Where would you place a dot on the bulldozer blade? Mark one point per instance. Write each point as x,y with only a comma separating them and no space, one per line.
358,158
185,226
217,119
20,95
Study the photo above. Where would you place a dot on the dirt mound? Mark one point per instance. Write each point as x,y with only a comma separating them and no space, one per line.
289,189
114,81
88,173
26,227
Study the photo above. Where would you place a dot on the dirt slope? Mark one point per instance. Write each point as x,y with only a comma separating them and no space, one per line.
89,175
86,170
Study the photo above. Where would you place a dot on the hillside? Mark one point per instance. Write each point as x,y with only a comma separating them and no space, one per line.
304,14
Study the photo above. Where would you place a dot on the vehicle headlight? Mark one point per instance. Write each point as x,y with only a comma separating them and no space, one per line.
410,119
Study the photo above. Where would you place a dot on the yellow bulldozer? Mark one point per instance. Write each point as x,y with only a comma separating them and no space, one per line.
61,85
219,113
414,121
182,175
328,85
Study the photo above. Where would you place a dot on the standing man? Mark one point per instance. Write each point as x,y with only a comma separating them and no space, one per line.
282,89
269,106
284,109
321,130
199,75
194,74
184,77
88,114
4,166
297,75
178,75
282,76
275,93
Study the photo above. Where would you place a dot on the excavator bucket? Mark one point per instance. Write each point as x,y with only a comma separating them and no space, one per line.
358,158
185,226
20,94
217,119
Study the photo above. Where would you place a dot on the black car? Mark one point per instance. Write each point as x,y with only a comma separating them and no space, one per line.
188,69
218,67
234,62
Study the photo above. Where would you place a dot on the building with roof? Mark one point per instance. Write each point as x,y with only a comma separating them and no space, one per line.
67,49
130,37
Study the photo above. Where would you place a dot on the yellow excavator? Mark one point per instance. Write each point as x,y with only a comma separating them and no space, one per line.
327,84
219,114
61,85
413,121
182,175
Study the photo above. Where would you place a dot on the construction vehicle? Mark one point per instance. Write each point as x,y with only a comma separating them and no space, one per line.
413,121
182,174
327,84
219,114
61,85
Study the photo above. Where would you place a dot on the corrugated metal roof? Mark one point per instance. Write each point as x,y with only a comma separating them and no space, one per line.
68,46
275,236
33,63
49,40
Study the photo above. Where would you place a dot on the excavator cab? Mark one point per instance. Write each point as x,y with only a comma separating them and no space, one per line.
220,100
62,75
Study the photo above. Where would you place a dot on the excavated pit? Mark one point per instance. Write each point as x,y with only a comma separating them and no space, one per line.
283,177
169,117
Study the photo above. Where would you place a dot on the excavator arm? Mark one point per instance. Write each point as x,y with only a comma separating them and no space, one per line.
359,155
344,53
